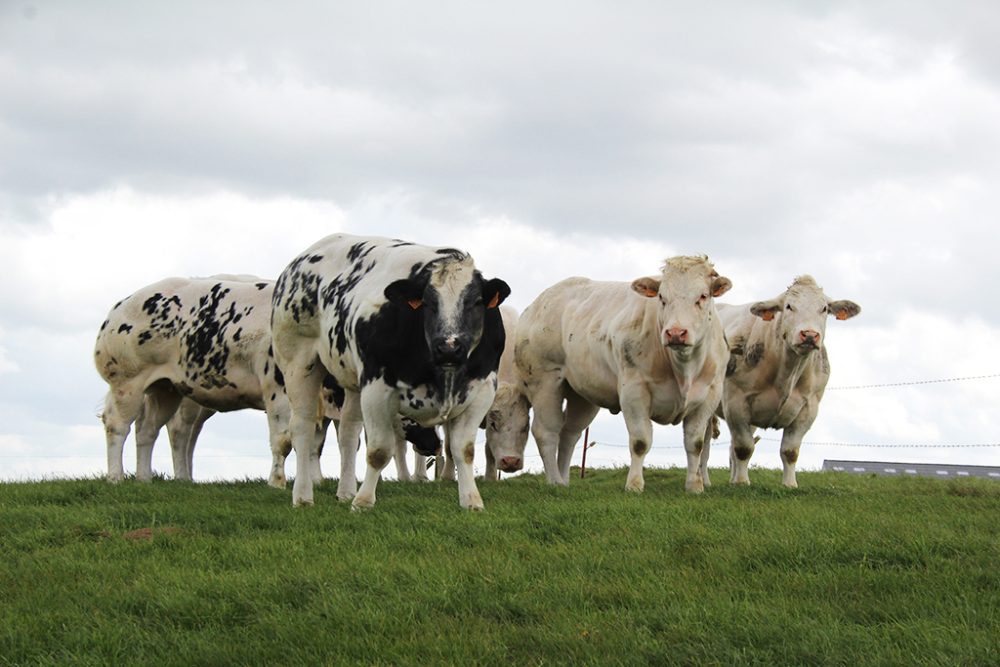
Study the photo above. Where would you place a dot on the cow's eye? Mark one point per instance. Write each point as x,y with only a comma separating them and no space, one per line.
824,310
702,299
789,307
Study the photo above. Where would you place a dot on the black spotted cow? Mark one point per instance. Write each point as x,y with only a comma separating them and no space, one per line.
403,329
206,339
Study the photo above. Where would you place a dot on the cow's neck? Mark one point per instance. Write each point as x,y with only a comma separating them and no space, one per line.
791,368
687,364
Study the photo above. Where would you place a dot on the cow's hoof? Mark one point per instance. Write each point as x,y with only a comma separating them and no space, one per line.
276,483
302,503
362,505
695,488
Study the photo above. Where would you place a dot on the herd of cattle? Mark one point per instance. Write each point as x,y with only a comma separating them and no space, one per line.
398,339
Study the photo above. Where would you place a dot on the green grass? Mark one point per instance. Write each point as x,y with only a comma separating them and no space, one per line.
846,570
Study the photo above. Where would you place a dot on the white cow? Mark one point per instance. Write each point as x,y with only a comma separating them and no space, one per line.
506,423
653,349
206,339
778,370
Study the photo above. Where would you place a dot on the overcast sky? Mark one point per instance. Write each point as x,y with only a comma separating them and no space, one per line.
855,141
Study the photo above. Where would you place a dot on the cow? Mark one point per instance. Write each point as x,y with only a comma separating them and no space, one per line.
205,339
653,350
506,423
777,371
403,329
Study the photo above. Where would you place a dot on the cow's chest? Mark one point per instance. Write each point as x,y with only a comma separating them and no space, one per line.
669,405
771,409
429,405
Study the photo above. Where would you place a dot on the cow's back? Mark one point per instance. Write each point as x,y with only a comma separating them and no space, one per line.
507,372
579,326
338,282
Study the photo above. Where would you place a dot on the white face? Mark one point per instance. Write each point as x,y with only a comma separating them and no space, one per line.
801,313
507,429
685,293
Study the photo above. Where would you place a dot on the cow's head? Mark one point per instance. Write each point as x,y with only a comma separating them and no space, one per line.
685,292
800,314
506,427
425,439
453,298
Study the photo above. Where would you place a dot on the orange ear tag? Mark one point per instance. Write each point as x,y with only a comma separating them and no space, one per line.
841,314
495,301
767,315
415,303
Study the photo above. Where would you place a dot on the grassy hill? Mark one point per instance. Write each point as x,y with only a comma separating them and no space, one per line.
844,571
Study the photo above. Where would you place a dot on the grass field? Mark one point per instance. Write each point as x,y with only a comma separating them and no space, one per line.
845,570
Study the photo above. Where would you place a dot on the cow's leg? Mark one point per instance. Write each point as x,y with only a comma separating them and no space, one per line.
706,450
447,463
740,450
183,430
399,456
380,411
491,466
579,414
697,434
121,408
322,427
278,411
791,441
160,404
420,468
460,440
303,381
547,401
635,402
349,440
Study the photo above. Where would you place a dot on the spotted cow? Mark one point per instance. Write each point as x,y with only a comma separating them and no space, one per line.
778,370
204,339
403,329
653,350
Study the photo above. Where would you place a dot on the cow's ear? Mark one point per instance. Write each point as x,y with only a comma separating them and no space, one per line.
405,292
648,287
495,292
765,310
843,309
721,285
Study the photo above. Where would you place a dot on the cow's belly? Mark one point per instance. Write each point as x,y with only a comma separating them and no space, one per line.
598,388
233,390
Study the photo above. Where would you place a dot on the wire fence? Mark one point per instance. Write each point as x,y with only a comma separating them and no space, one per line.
615,445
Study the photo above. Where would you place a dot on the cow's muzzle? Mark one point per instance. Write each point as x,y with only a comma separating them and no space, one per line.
450,353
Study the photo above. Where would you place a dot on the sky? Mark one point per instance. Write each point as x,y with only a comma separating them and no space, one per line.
858,142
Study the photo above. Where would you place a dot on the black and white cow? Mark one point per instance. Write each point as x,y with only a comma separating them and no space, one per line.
206,339
404,329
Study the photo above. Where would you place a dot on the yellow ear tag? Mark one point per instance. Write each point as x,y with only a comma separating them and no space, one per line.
841,314
415,303
495,301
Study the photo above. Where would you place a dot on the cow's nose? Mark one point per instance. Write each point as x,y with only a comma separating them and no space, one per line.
809,337
677,336
449,352
510,463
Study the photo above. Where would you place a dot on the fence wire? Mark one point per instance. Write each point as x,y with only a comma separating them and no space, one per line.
912,382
